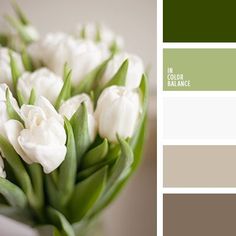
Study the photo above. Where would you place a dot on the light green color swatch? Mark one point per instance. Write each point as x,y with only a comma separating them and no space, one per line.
199,70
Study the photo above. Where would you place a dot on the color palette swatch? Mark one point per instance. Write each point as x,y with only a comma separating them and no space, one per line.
199,21
199,166
199,214
197,118
199,69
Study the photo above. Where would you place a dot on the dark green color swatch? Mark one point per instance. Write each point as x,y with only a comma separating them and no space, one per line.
199,21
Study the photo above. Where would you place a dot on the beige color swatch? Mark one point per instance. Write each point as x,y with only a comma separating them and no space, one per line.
199,166
199,215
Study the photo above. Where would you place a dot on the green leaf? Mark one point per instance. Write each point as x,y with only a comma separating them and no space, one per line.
14,195
20,14
91,79
36,175
122,164
83,174
86,194
27,61
32,97
79,123
17,214
120,171
144,92
114,48
3,39
64,228
67,170
12,114
66,89
95,155
144,97
15,162
98,35
138,145
120,76
15,72
20,98
66,71
83,33
118,79
52,192
21,175
138,152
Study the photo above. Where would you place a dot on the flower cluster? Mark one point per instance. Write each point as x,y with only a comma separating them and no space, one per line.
72,121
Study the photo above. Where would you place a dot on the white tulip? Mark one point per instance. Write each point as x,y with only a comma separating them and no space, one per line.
16,42
44,82
118,111
69,107
90,31
2,172
32,32
82,56
134,73
5,68
43,138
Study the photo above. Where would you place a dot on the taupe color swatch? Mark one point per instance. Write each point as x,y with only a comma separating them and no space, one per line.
199,215
200,166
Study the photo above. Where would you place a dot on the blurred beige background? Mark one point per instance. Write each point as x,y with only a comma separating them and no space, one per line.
134,213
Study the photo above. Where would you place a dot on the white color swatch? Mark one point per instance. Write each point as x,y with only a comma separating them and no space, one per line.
199,118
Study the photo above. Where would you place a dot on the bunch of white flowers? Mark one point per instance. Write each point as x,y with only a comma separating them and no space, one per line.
72,122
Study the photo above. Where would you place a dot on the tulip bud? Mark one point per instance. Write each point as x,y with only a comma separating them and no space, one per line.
44,82
69,107
118,110
98,33
82,56
32,32
134,73
5,68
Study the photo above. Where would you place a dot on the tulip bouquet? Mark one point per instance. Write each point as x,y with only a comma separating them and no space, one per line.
73,111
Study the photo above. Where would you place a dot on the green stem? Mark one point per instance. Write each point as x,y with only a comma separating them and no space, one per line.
38,194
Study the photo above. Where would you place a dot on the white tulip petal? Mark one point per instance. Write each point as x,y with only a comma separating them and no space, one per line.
50,157
32,115
43,81
49,109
